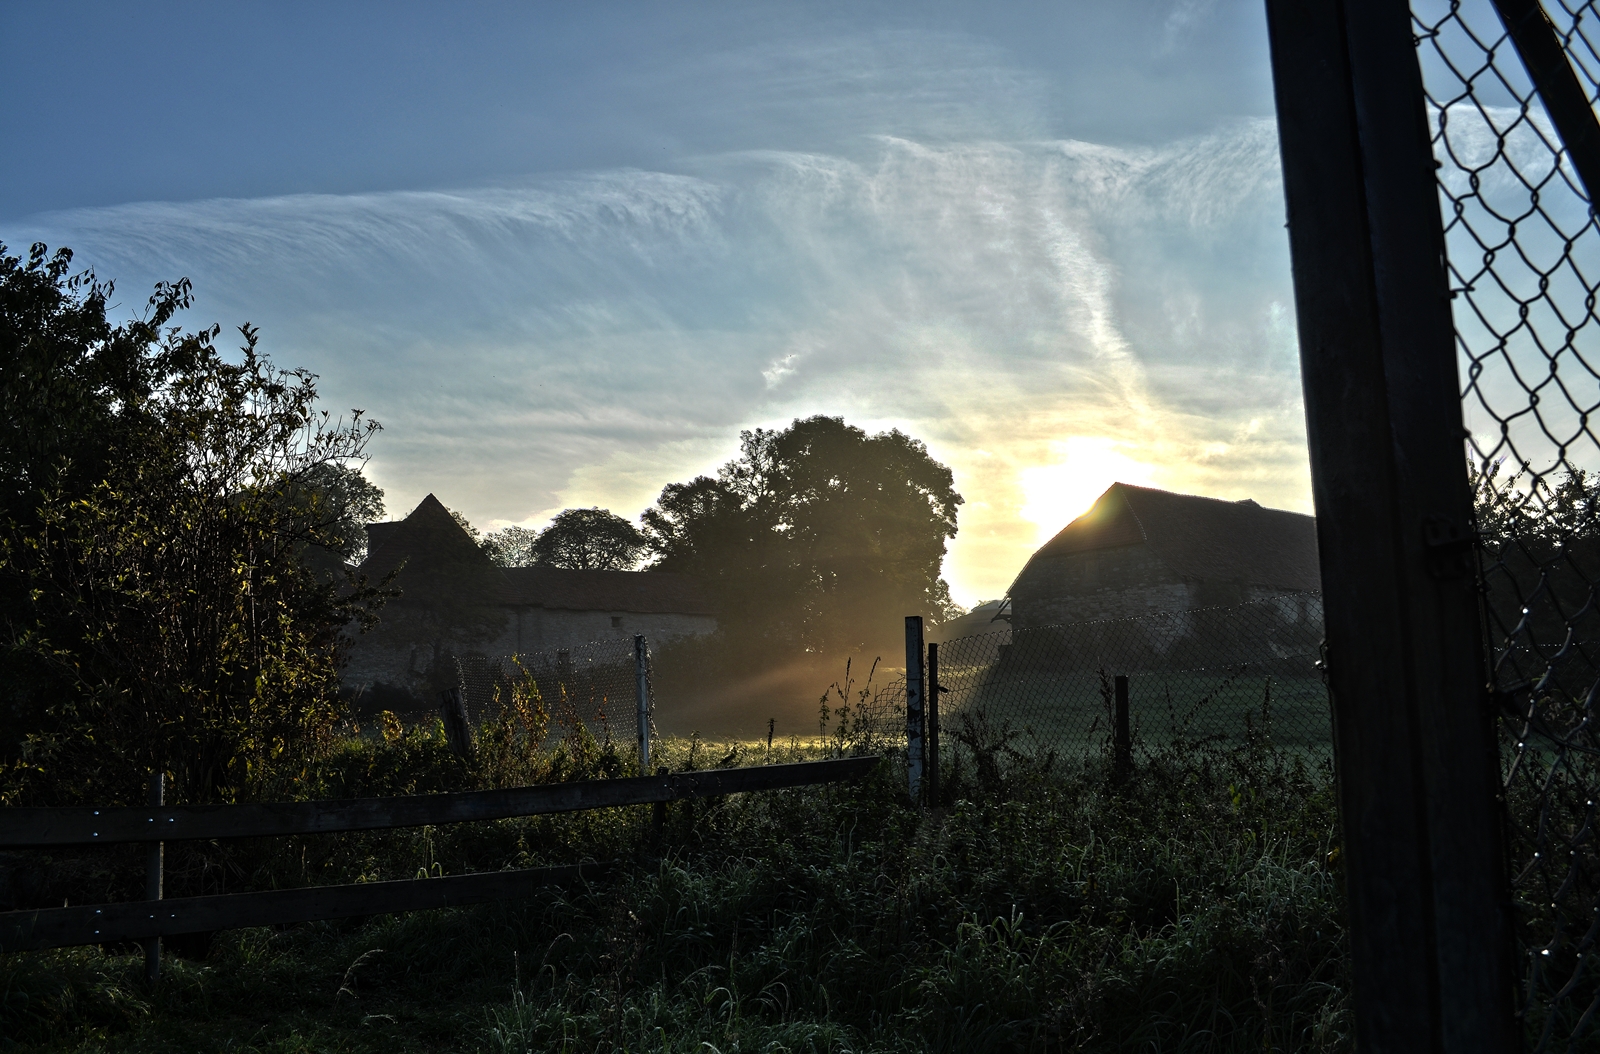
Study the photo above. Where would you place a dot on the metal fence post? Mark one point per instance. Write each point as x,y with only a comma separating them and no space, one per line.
1414,740
1121,738
933,724
914,699
641,677
154,880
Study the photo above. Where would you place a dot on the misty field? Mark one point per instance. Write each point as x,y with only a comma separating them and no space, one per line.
1195,907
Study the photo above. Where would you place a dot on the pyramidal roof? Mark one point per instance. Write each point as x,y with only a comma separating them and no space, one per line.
1197,537
429,539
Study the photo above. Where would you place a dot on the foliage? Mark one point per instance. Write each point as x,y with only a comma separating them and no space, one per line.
511,546
1524,506
161,606
1194,909
819,535
344,501
577,539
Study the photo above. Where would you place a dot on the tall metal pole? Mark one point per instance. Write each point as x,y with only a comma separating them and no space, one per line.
1413,732
641,678
154,881
914,699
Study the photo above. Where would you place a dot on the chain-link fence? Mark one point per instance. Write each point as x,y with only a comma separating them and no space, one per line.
1523,254
593,684
1222,676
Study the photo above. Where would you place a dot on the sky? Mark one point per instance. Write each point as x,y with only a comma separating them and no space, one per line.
565,253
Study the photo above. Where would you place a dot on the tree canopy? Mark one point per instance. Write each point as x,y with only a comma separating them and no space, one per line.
577,539
818,534
163,606
589,540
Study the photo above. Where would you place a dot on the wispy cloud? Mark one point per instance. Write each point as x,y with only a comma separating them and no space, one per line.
1024,305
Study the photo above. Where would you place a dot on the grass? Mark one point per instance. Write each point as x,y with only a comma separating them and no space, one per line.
1194,908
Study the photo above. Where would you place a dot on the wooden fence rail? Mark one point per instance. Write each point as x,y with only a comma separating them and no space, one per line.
36,828
141,920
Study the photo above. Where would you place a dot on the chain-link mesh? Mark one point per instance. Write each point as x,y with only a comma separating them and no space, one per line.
592,684
1223,675
1524,259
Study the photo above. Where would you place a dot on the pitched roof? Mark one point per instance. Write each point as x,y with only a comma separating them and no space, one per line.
1198,537
429,539
378,533
646,592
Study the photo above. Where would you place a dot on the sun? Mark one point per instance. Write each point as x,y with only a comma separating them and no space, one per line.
1057,493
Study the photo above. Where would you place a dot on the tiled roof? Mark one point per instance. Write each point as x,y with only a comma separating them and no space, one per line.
427,540
1198,538
654,592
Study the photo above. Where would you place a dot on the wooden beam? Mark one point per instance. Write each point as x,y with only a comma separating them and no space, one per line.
31,827
143,920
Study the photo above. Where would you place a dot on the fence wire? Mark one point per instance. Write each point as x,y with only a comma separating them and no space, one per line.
594,685
1523,256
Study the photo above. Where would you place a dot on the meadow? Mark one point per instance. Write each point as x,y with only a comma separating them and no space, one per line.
1040,905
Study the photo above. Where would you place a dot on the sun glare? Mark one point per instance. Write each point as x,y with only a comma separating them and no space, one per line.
1056,494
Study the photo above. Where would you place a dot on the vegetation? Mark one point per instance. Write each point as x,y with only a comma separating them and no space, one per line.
1194,907
819,536
577,539
176,525
173,525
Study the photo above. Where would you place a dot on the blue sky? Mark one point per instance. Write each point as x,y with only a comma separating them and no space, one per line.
565,252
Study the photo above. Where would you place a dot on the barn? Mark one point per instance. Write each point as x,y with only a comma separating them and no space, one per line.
1140,551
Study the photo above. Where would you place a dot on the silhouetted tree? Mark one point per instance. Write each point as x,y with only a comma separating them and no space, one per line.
588,540
819,534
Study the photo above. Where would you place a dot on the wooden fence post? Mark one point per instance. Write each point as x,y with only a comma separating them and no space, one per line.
914,697
154,881
933,724
1121,737
453,708
641,677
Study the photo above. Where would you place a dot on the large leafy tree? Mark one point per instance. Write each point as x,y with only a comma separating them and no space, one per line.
818,535
173,525
577,539
588,540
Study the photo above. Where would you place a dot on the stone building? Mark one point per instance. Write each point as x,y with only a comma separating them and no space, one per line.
1141,551
455,601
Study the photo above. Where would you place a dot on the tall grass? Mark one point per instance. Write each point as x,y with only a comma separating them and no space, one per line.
1193,907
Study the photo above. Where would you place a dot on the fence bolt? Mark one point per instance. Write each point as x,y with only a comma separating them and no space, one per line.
153,881
914,697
